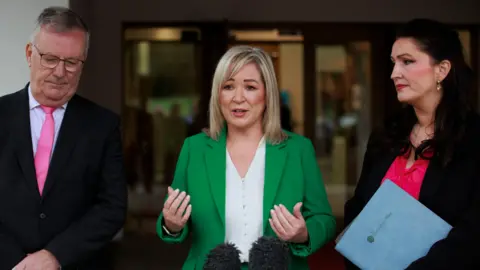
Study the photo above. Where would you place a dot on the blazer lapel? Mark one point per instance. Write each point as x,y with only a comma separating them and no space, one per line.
23,136
433,177
378,172
275,158
215,163
67,138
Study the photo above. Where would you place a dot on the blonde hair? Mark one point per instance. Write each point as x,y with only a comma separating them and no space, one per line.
230,63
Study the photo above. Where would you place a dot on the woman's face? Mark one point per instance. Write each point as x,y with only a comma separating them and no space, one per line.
414,73
242,98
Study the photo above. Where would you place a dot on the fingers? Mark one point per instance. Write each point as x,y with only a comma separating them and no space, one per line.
177,208
276,222
288,216
296,210
287,225
277,232
21,266
176,203
171,197
183,206
187,214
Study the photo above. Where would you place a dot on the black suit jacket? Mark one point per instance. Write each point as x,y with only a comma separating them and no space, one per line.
84,199
452,192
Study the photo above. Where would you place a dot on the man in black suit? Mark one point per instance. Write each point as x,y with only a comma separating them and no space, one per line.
63,193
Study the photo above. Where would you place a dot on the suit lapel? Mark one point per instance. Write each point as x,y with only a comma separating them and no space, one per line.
23,136
215,163
275,157
66,141
378,172
433,177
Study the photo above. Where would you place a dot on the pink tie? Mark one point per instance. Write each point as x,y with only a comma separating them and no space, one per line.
44,147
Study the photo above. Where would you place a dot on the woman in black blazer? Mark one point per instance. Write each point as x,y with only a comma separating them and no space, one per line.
435,139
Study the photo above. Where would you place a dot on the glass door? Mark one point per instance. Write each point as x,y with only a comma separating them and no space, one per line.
341,115
161,95
339,101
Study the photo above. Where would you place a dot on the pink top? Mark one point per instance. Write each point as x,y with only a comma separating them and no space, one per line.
409,179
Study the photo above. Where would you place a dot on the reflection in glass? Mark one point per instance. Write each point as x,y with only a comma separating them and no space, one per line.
342,121
464,36
160,99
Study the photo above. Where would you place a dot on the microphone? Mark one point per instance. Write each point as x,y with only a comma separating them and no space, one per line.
225,256
269,253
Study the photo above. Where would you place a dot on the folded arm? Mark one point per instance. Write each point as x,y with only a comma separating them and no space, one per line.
100,224
459,249
317,211
456,251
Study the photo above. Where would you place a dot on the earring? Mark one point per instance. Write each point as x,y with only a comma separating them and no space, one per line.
439,86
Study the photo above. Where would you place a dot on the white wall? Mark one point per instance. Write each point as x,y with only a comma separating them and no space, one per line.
18,21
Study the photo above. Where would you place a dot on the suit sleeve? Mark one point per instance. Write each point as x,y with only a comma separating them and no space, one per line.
179,182
355,205
100,224
459,250
316,209
11,252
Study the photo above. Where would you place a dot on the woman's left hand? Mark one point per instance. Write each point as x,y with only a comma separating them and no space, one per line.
288,227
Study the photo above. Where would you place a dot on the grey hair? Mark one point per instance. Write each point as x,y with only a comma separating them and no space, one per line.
61,19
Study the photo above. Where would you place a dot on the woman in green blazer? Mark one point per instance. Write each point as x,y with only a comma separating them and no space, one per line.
245,177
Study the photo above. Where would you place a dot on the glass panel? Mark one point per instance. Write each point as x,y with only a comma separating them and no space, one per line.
271,35
161,95
342,97
291,78
465,39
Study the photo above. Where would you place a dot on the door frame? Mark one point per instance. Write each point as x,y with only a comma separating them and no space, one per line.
376,34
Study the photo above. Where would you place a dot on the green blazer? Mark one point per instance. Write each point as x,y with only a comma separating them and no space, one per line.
291,175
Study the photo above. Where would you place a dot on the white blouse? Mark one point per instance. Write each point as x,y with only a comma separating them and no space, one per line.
244,203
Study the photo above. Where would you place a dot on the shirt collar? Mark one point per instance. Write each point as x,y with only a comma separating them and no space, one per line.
33,103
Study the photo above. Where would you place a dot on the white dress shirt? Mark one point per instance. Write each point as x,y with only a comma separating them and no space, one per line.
244,203
37,117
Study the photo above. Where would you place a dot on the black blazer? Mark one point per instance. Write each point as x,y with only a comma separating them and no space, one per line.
452,192
85,196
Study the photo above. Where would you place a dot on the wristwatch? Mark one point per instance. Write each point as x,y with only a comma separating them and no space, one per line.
170,233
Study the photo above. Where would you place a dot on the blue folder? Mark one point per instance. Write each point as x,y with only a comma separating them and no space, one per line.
392,231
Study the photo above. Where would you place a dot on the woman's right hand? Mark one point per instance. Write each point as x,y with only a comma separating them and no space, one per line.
176,210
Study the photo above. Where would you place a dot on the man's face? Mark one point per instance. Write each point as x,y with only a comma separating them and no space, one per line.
56,61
